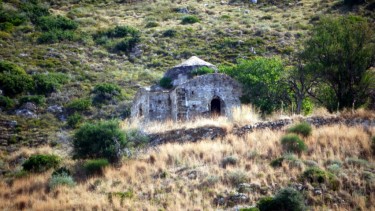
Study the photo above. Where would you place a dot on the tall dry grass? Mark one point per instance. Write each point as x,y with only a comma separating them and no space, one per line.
189,176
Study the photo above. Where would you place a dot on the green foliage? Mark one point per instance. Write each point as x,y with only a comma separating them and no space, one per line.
135,138
249,209
56,36
120,38
202,71
51,23
317,176
99,140
74,120
302,128
237,177
287,199
41,162
95,166
61,170
106,92
263,84
152,24
9,19
190,19
230,160
79,105
166,83
34,10
292,143
36,99
61,179
6,102
340,52
48,83
170,33
277,162
13,79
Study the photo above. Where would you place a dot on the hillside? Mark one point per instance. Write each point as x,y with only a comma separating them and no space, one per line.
69,71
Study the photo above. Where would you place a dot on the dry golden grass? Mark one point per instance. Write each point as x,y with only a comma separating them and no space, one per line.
189,176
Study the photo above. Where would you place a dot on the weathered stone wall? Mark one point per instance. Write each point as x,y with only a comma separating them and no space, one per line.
160,106
194,97
140,106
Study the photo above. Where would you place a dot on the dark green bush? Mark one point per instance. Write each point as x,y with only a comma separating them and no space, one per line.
36,99
316,176
170,33
135,138
287,199
303,129
152,24
106,92
79,105
48,83
190,19
74,120
41,163
278,162
13,79
95,166
51,23
293,143
99,140
34,10
6,102
9,19
202,71
127,44
166,83
60,171
55,36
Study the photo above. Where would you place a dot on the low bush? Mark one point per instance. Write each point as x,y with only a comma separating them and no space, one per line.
55,36
95,166
152,24
48,83
127,44
74,120
303,129
202,71
237,177
36,99
166,83
293,143
190,19
51,23
41,162
99,140
170,33
316,176
60,171
79,105
6,102
135,138
278,162
230,160
286,199
61,179
106,92
34,10
13,79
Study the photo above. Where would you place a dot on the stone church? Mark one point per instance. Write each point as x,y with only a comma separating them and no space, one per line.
189,95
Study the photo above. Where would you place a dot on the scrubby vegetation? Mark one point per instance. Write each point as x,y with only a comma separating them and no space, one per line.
41,162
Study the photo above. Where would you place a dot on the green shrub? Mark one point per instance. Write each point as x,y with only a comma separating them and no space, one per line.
6,102
99,140
106,92
48,83
79,105
249,209
152,24
135,138
95,166
230,160
61,179
51,23
278,162
170,33
303,129
13,79
237,177
36,99
127,44
55,36
74,120
286,199
316,176
34,10
166,83
202,71
60,171
190,19
293,143
41,162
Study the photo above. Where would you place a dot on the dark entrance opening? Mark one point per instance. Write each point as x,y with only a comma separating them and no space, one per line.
216,107
140,113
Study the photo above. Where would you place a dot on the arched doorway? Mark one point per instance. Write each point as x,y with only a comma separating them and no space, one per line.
216,106
140,112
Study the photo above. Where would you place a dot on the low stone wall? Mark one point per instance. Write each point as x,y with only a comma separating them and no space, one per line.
211,132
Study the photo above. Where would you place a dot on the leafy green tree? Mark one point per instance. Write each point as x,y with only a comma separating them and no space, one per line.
13,79
341,51
263,82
